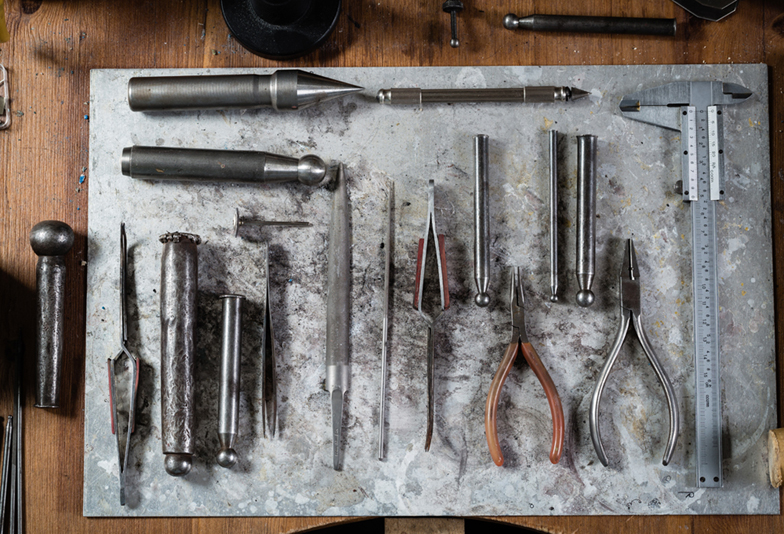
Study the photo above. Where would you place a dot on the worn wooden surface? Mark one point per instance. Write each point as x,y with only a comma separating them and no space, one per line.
56,43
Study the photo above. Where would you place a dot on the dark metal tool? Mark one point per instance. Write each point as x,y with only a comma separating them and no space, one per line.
231,352
19,442
385,329
439,251
179,287
586,218
230,166
713,10
5,111
338,309
269,361
524,95
281,29
520,344
50,240
553,215
629,286
281,90
123,453
695,109
582,24
481,221
244,221
6,474
453,7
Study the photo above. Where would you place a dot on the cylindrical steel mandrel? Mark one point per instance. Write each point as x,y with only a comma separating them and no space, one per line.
179,288
586,218
481,221
50,240
231,350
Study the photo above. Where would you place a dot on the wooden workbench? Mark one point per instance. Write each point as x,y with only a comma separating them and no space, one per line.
56,43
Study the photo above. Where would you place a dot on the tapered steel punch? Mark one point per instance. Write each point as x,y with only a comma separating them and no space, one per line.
439,250
520,344
123,452
629,286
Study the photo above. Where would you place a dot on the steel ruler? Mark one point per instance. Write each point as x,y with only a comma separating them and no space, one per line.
695,109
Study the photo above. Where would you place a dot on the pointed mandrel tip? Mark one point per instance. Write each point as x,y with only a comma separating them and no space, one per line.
577,94
312,88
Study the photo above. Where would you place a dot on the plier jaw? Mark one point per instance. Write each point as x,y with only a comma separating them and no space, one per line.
630,280
517,298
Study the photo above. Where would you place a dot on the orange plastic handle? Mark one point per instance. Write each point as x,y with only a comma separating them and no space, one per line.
491,408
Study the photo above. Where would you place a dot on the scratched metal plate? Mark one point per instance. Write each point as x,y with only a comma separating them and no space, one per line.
292,474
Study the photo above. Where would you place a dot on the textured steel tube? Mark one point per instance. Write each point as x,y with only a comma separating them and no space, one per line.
553,215
50,240
231,350
582,24
234,166
481,221
586,218
338,309
526,95
179,287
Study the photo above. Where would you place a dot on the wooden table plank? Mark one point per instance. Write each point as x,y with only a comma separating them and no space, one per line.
55,44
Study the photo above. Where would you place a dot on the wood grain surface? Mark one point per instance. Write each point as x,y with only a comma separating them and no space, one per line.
55,43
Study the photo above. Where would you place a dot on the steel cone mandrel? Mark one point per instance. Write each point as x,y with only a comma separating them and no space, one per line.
281,90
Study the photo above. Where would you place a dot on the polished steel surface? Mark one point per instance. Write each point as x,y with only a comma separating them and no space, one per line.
553,215
481,221
231,166
50,240
338,309
586,218
583,24
524,95
282,90
179,287
231,352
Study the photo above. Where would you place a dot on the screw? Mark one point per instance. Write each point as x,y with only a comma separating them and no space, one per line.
453,7
242,221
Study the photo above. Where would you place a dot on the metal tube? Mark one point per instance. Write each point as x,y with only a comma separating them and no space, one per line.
50,240
586,218
179,286
233,166
282,90
231,349
481,221
525,95
338,309
553,215
582,24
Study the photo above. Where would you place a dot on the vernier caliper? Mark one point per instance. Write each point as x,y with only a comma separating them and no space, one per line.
695,109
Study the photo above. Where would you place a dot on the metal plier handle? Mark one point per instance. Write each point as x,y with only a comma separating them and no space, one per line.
630,314
520,344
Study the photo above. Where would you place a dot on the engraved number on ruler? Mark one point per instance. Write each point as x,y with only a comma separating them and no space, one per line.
716,153
690,151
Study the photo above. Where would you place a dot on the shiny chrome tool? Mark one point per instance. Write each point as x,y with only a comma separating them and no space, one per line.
269,362
229,166
282,90
481,222
5,111
388,244
51,241
583,24
338,309
439,251
524,95
231,352
520,344
553,216
243,221
586,218
453,7
629,287
123,453
179,291
695,109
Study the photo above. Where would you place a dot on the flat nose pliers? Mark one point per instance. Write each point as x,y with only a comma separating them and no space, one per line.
519,344
630,314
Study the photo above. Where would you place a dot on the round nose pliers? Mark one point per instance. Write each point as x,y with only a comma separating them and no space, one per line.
519,344
630,314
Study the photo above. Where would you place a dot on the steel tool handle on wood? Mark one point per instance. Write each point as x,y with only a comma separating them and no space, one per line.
491,408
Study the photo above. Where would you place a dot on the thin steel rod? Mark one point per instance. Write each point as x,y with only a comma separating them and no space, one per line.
385,333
